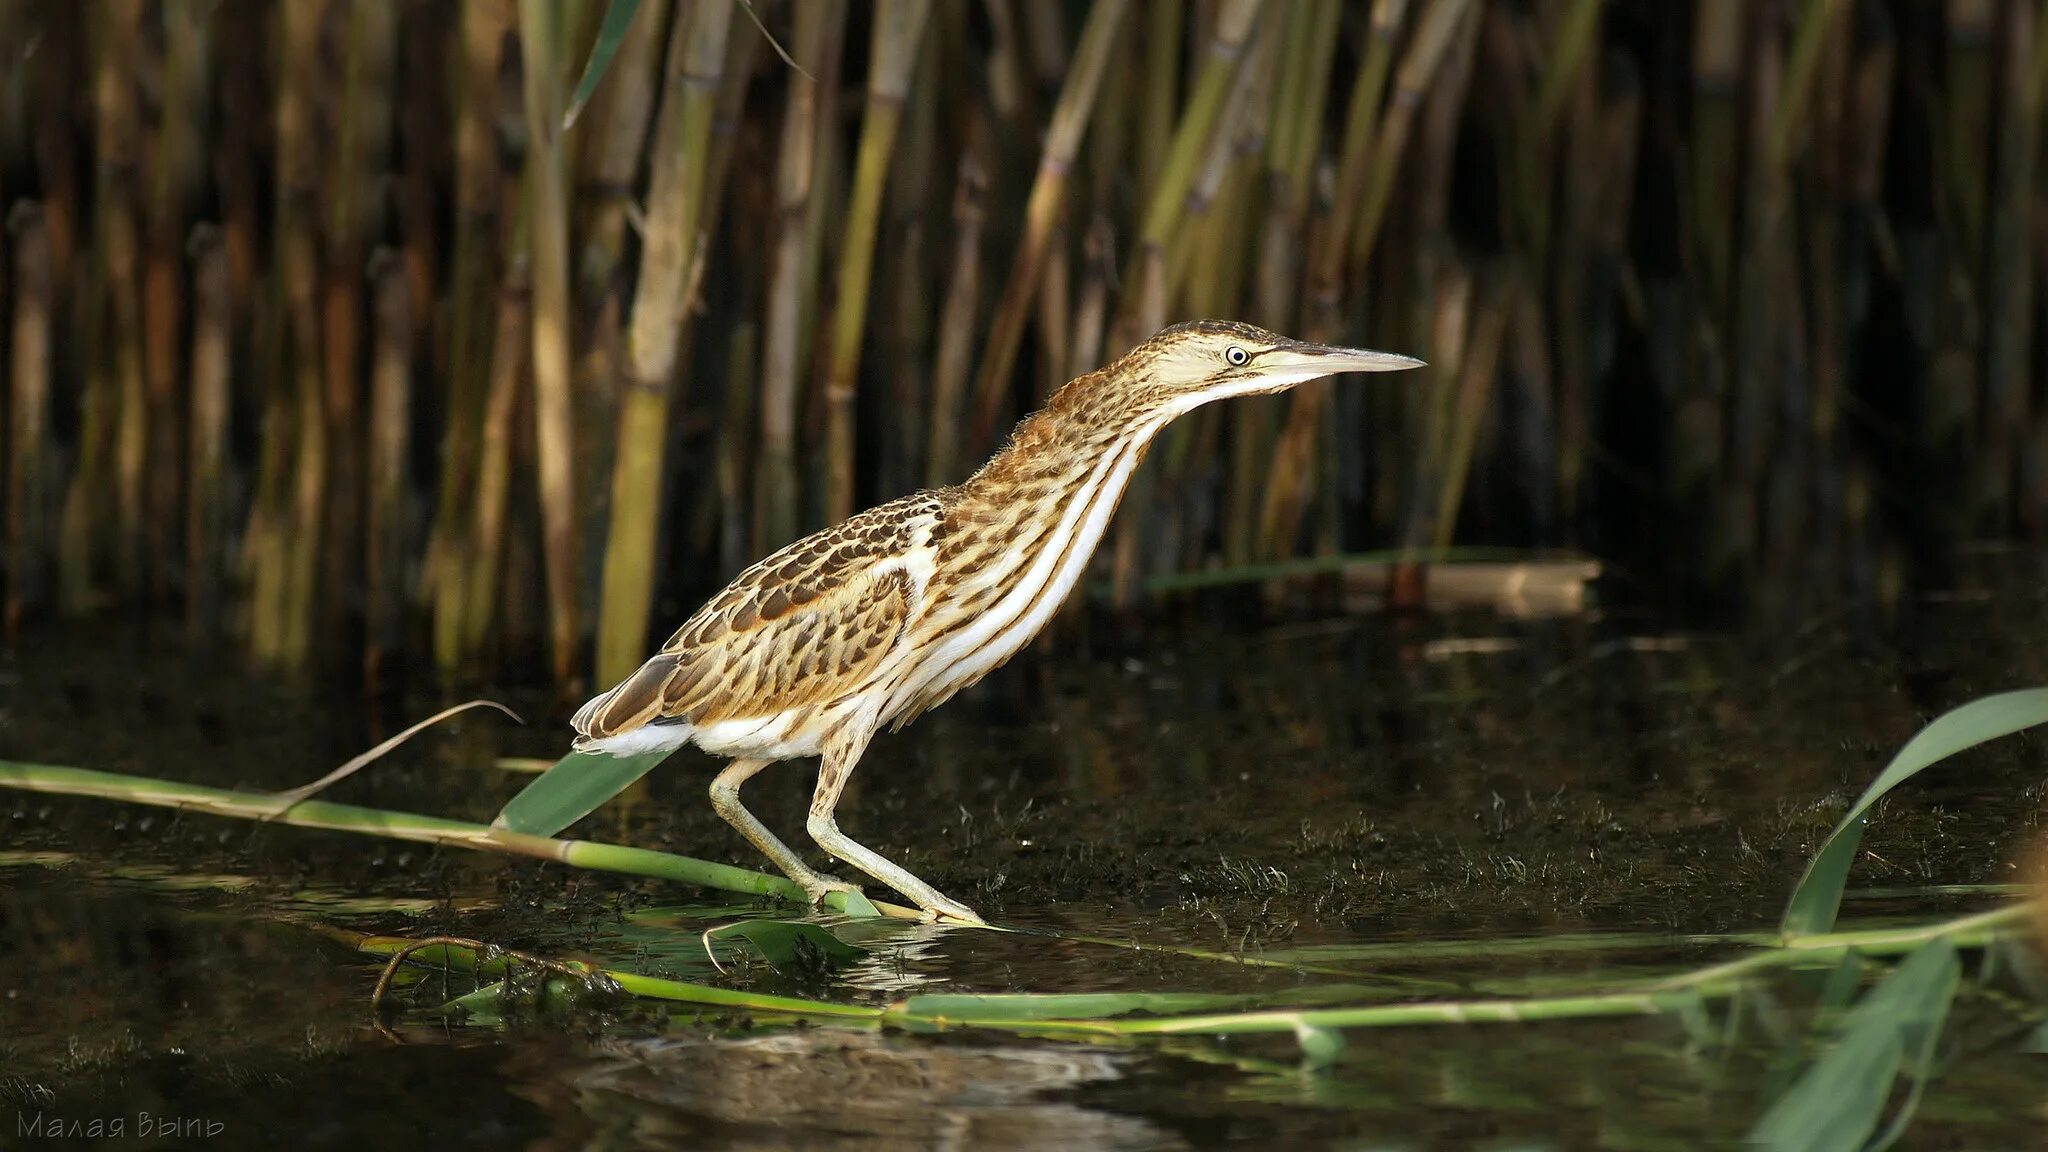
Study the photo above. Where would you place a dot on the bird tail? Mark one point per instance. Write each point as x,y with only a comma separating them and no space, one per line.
633,702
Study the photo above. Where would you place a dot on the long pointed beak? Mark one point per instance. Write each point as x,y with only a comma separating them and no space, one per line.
1326,360
1277,369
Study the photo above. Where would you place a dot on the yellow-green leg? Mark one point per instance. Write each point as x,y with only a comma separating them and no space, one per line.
839,759
725,800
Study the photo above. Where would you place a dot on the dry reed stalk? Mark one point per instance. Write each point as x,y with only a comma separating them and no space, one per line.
485,24
116,175
1297,114
175,181
1361,125
244,123
1290,478
898,29
1437,33
1144,313
1168,198
540,38
739,284
387,529
354,216
956,321
1163,37
1967,118
822,227
78,283
424,141
206,492
1044,209
777,488
1009,92
1145,309
1715,142
292,570
1098,251
912,214
30,482
1590,262
1416,463
670,243
511,350
613,132
1053,311
732,463
1574,32
2009,288
1759,310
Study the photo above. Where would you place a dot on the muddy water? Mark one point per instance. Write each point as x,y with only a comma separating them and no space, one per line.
1309,790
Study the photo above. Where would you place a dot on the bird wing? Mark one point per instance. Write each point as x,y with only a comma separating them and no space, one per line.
807,626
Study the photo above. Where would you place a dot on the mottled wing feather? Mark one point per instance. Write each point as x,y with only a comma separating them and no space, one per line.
807,626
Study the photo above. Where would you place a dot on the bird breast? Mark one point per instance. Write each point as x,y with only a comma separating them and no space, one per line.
994,590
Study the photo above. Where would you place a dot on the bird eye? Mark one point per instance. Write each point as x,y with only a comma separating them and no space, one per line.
1237,357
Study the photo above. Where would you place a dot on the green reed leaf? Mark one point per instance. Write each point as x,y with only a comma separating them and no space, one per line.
1818,897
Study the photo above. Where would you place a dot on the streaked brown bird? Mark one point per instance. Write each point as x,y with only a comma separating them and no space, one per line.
875,620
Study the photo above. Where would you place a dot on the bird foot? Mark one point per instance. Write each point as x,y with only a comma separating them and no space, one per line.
817,886
944,909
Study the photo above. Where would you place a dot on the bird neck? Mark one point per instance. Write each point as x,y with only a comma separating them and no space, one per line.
1020,531
1054,453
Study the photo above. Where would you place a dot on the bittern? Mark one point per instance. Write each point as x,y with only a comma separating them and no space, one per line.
876,619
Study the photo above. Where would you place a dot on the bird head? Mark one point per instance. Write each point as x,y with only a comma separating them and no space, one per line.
1205,360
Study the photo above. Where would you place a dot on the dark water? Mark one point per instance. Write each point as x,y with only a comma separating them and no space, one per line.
1309,789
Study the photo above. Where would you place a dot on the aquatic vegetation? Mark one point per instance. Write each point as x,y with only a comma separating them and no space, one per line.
1879,994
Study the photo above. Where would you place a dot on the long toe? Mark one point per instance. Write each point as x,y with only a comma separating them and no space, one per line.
952,910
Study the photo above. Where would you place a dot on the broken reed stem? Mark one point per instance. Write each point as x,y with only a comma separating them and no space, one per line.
548,233
1044,208
678,186
899,26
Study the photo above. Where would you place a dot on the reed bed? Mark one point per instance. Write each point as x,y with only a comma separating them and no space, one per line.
499,332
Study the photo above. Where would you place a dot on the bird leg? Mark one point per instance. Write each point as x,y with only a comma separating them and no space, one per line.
725,800
837,764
